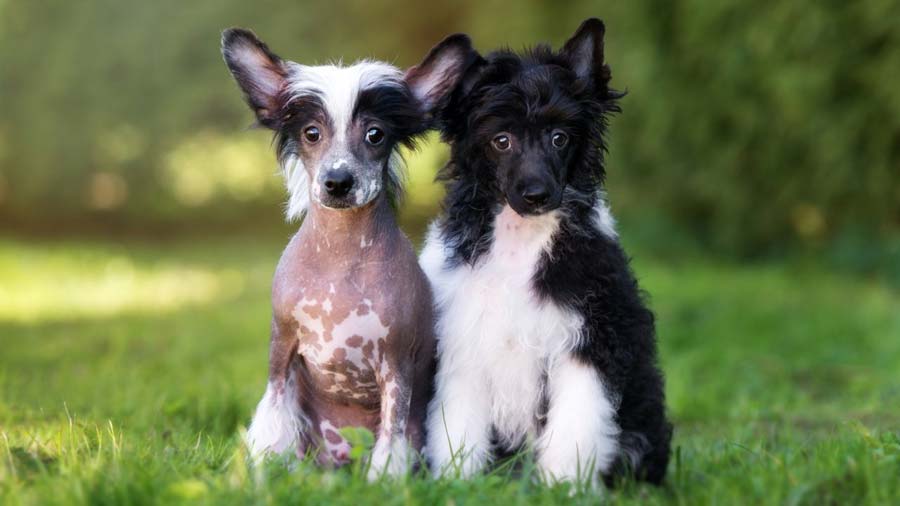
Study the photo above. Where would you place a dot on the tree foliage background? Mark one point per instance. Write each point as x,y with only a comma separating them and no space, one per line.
750,128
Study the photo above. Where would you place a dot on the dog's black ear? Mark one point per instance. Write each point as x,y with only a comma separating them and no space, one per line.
584,52
258,71
447,67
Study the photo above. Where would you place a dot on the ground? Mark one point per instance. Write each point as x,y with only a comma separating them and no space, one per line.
128,372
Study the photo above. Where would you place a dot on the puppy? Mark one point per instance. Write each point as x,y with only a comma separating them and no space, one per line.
543,338
352,339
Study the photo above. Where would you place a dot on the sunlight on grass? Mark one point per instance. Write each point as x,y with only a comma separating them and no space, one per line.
39,285
781,382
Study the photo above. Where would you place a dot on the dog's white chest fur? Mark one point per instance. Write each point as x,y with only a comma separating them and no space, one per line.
493,323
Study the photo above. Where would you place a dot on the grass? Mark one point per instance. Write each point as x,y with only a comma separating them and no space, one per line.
128,371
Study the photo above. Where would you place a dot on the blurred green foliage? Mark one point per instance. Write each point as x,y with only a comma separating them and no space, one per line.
749,126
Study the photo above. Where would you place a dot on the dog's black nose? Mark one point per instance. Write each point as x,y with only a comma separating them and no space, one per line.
338,182
536,194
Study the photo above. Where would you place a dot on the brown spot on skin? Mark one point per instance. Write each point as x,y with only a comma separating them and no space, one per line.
333,437
341,369
314,311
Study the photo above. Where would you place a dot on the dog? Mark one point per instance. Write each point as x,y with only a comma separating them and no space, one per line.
352,338
544,340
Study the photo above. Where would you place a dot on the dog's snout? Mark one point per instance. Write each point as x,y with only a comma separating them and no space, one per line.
338,182
536,194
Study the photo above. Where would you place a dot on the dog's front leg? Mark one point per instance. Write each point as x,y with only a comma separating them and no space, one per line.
278,422
580,438
459,421
391,453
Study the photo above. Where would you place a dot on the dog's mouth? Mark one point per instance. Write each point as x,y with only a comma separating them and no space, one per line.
337,204
345,203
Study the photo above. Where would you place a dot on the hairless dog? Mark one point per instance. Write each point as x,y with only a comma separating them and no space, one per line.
352,332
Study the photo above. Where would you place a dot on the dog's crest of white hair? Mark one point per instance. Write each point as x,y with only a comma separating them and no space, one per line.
337,87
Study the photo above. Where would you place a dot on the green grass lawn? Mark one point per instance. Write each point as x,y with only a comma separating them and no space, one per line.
127,374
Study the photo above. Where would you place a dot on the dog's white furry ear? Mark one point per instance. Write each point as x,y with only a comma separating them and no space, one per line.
445,68
258,71
584,52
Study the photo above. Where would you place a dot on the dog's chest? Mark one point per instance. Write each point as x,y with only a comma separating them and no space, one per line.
342,338
493,322
496,298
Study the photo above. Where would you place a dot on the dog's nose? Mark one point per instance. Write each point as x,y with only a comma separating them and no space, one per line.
338,182
536,194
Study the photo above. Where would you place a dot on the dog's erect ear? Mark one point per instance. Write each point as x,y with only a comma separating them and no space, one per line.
446,67
584,51
258,71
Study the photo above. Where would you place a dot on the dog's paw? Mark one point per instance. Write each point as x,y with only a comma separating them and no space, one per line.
389,459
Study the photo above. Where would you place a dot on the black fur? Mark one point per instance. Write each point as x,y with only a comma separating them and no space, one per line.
395,110
391,106
295,116
399,115
587,271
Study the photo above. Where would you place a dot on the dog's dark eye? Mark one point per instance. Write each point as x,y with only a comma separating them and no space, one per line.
559,140
501,142
374,136
312,135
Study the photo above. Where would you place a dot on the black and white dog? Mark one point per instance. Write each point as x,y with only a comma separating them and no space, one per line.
543,338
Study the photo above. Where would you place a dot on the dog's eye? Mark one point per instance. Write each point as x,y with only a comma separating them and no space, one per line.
559,140
501,142
374,136
312,135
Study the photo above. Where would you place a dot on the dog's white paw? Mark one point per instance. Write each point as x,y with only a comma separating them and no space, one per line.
389,459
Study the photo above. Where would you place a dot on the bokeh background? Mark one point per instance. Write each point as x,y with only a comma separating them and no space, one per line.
750,129
754,171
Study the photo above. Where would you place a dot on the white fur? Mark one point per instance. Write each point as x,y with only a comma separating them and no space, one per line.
494,341
581,435
337,87
297,181
497,342
278,421
390,457
603,219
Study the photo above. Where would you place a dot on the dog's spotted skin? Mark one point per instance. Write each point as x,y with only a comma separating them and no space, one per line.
361,361
352,339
